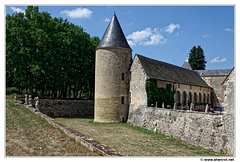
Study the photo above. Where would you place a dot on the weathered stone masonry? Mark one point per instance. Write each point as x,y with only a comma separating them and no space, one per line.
215,78
214,131
206,130
59,108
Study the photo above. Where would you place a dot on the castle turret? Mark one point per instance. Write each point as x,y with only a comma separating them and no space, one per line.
186,65
113,61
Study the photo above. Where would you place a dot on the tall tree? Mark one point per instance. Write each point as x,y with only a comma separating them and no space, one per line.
197,58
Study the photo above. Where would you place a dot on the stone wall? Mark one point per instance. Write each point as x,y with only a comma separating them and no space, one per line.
60,108
228,103
215,82
138,95
228,92
201,129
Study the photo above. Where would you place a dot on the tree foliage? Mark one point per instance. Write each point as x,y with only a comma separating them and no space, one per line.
197,58
49,56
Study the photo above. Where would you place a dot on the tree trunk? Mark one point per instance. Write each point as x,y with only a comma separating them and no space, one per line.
65,91
75,95
69,92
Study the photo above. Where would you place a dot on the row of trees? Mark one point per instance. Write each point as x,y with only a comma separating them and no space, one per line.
53,57
49,56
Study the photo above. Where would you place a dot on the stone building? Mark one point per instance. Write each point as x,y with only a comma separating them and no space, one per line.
214,78
113,61
188,85
120,83
121,94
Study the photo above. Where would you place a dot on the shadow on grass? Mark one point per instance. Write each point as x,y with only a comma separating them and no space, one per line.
75,117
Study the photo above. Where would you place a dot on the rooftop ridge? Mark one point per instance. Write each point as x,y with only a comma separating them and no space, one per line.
169,64
168,72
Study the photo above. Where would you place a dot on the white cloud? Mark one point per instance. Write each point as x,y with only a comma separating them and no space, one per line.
18,10
170,28
107,20
146,37
78,13
140,36
155,39
207,36
178,33
228,30
218,60
131,43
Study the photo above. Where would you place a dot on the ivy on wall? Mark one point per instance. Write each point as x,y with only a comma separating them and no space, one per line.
155,94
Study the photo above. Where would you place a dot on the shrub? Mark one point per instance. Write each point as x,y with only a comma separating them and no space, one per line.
160,95
11,90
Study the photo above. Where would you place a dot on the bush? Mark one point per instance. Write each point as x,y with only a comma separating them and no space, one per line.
160,95
11,90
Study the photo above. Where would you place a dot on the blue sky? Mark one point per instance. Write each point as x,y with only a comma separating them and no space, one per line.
165,33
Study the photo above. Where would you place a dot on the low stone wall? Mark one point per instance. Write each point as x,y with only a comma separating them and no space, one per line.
60,108
202,129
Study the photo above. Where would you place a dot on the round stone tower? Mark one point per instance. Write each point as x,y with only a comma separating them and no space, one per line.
112,70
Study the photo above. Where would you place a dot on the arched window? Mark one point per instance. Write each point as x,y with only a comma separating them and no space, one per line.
208,99
184,98
195,98
204,98
190,97
178,97
200,98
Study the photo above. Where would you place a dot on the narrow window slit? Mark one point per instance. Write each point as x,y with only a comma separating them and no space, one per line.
122,100
122,76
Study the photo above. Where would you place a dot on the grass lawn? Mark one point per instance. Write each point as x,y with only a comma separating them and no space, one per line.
134,141
28,134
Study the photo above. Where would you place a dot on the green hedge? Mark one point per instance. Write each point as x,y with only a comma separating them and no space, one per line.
11,90
155,94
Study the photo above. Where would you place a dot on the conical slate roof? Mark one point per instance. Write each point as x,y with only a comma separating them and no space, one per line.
113,36
186,65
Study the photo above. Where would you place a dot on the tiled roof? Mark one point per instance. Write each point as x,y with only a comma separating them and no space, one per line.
167,72
219,72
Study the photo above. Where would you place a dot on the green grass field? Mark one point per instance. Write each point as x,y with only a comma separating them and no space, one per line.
135,141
